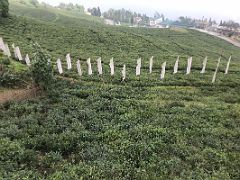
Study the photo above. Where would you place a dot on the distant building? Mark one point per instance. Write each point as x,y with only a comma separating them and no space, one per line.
223,30
152,23
87,13
137,19
157,23
109,22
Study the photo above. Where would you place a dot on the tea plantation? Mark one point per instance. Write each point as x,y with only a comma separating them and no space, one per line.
98,127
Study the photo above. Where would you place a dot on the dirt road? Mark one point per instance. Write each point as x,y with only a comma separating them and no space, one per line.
235,43
17,94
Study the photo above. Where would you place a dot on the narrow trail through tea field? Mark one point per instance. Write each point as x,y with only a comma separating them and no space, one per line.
8,95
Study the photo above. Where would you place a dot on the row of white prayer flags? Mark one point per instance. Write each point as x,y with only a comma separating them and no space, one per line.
138,67
17,53
90,71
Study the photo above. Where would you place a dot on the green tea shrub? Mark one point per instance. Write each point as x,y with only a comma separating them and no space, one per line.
41,69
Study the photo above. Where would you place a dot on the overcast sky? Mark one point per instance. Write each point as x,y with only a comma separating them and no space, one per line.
217,9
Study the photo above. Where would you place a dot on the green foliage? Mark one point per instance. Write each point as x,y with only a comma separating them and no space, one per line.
8,79
41,69
100,128
95,11
126,16
4,8
121,131
34,2
71,7
12,73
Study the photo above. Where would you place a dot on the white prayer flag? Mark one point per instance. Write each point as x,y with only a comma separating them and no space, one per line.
124,72
163,70
2,45
59,66
204,65
99,66
18,54
228,64
111,64
89,67
7,50
14,51
175,70
27,60
215,73
150,65
69,63
189,65
138,68
79,69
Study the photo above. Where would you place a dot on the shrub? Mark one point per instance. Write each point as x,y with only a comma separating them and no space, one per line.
41,69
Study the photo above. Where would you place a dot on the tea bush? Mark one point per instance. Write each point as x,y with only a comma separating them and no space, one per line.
101,128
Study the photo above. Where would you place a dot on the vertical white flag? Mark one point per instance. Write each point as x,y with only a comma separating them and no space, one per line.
14,51
216,70
2,46
150,65
163,70
228,64
18,54
59,66
79,69
138,68
69,63
89,66
27,60
124,72
7,50
99,66
204,65
175,70
189,66
111,64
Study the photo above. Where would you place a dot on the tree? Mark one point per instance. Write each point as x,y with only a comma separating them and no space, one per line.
99,14
4,8
95,11
41,69
221,23
157,15
34,2
126,16
132,20
210,22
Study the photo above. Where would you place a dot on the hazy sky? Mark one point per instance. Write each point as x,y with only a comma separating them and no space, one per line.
217,9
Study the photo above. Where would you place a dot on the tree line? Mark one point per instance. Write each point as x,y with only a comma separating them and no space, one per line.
71,6
230,24
126,16
4,8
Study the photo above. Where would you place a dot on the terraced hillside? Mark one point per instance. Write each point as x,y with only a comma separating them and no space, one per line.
101,128
48,13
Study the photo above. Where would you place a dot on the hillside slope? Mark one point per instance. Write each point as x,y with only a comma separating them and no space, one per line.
50,14
97,127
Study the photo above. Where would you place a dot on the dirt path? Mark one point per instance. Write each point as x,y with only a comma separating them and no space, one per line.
18,94
235,43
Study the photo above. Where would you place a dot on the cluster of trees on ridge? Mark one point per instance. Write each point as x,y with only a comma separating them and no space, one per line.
189,22
95,11
126,16
71,6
